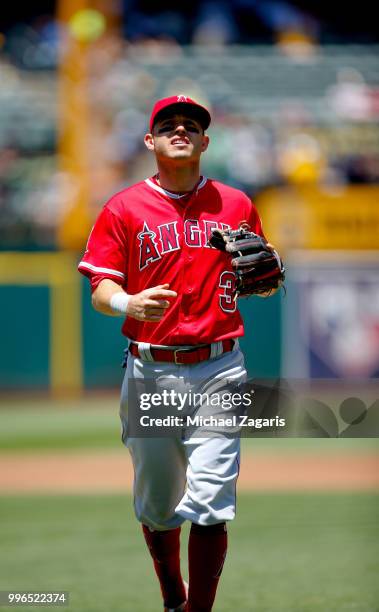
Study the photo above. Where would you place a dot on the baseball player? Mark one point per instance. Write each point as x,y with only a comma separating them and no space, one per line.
149,260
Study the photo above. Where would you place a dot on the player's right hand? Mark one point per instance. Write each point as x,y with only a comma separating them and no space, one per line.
150,304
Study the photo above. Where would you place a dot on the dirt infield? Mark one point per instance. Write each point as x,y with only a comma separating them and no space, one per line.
112,472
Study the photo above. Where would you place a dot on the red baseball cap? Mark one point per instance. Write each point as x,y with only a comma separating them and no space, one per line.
180,104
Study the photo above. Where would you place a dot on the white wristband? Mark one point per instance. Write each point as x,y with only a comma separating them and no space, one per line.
119,302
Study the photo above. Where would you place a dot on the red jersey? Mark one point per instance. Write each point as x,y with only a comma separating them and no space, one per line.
146,236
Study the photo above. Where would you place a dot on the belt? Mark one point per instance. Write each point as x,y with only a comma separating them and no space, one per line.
183,356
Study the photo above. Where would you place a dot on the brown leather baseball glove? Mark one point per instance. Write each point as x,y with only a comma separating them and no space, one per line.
257,266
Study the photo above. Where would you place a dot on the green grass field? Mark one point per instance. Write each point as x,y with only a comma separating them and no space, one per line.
288,552
93,423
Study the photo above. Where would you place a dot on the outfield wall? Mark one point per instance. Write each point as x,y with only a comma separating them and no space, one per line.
52,338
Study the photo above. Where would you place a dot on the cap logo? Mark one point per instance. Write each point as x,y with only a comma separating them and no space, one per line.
182,98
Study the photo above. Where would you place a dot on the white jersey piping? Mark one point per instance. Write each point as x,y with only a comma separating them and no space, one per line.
84,264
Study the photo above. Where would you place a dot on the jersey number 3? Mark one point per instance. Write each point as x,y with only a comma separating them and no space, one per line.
228,284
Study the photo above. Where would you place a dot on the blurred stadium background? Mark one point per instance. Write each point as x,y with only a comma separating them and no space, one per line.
293,87
294,92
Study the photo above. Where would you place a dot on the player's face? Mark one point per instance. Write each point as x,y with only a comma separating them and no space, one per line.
179,138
